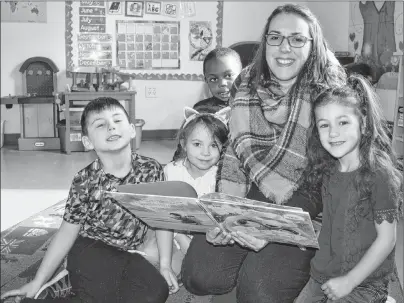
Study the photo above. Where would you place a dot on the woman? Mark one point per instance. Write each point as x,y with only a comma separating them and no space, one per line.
265,158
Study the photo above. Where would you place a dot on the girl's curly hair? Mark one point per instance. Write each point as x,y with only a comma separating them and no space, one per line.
375,149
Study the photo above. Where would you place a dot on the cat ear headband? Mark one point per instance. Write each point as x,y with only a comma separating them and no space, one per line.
222,115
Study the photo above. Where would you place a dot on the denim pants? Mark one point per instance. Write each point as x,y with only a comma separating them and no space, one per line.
368,293
275,274
100,273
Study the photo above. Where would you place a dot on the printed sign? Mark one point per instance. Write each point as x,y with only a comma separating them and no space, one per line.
153,8
92,11
92,3
94,50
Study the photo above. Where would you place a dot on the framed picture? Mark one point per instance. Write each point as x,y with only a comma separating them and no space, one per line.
115,8
153,7
170,10
134,8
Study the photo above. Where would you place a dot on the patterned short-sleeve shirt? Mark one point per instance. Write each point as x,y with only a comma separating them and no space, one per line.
103,218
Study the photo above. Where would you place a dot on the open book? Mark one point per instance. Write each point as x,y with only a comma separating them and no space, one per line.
272,222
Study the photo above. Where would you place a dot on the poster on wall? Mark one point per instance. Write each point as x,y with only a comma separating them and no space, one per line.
375,34
134,8
115,7
94,46
23,11
170,9
200,39
153,7
187,9
148,44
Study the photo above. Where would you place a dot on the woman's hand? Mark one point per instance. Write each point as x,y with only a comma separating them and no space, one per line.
218,237
171,278
28,290
249,241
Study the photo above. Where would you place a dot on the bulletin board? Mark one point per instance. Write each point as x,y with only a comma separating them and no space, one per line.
148,40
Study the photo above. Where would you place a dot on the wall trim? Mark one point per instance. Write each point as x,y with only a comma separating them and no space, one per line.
159,134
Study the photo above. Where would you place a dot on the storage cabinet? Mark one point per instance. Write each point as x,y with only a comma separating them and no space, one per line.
46,125
30,120
38,121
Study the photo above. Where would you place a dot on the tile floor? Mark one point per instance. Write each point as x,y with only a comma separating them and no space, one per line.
34,180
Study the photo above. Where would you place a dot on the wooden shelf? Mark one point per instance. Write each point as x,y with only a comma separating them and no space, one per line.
128,96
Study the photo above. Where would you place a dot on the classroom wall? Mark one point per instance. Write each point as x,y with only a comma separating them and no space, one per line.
242,21
334,20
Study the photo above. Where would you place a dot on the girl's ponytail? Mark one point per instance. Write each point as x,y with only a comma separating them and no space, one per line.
369,104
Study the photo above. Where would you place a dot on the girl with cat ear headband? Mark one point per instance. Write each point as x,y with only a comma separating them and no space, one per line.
201,138
190,114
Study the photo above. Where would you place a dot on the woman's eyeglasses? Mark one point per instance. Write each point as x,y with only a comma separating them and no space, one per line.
296,41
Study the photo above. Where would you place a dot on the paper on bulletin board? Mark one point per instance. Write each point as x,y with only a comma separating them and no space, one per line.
94,50
187,9
93,44
170,9
200,39
115,7
23,11
148,44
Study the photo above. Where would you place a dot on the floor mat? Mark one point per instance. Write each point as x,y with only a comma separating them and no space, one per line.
24,245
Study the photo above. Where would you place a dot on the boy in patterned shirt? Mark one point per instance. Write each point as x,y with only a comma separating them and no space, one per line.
97,233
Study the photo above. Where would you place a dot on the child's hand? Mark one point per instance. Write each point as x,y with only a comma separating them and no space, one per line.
170,277
29,290
337,288
183,241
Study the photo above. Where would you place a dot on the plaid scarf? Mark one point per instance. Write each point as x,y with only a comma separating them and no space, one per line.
267,143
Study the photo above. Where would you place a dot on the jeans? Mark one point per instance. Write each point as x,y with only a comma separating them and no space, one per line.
368,293
276,274
101,273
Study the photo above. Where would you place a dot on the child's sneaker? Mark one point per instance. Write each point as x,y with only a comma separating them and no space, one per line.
58,287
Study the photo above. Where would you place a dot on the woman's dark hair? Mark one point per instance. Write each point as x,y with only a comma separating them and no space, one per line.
217,128
375,150
321,68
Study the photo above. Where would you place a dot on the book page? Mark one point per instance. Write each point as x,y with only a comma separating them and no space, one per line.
165,212
272,224
225,198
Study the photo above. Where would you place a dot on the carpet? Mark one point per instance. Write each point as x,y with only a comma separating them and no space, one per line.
24,245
